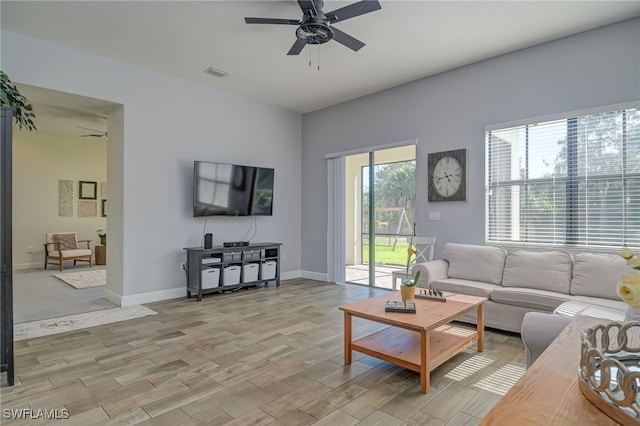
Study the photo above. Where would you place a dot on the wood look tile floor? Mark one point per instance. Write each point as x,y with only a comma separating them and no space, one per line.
259,356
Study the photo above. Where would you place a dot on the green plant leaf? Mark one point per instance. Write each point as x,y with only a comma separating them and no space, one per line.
10,97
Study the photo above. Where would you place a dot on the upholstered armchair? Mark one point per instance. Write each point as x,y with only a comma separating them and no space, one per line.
64,246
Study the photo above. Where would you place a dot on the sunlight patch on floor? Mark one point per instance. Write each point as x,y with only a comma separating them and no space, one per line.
469,367
501,380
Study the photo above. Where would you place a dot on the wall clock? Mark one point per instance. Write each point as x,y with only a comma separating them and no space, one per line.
448,175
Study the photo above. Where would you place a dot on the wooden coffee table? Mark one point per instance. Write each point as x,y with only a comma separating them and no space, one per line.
419,342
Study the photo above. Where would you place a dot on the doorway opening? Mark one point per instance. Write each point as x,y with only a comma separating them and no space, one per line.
59,185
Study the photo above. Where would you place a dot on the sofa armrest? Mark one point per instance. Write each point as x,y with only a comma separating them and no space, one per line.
538,331
430,271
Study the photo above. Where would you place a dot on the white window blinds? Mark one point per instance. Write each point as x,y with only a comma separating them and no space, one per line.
567,182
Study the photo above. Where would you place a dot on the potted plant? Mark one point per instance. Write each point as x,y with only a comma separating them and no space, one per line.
11,98
102,233
408,286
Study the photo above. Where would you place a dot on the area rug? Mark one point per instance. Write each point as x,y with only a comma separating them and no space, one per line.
84,279
29,330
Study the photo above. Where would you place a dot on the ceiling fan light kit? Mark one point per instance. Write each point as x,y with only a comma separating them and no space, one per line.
315,26
314,33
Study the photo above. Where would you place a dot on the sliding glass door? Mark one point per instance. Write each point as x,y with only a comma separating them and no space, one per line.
379,213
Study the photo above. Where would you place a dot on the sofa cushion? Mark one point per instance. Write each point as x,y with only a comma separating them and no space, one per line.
471,288
71,253
528,298
540,270
597,275
476,263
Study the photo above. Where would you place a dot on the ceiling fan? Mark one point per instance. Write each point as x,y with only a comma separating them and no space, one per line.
95,134
316,27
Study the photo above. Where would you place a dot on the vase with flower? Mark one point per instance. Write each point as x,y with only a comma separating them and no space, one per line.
102,233
408,286
629,287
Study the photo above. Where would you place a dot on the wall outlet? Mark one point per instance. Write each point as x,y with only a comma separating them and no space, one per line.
29,249
284,256
183,266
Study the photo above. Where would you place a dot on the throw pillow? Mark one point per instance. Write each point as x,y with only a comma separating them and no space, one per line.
597,275
473,262
67,241
550,270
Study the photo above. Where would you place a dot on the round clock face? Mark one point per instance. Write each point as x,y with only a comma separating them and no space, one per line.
447,176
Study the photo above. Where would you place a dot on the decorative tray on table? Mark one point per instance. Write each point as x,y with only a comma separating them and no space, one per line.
609,372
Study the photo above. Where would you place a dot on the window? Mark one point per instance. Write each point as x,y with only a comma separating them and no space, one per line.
571,181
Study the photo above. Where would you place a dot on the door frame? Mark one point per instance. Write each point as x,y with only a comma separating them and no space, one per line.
336,201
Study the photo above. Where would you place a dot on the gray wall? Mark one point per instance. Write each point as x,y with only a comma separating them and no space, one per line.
161,127
449,111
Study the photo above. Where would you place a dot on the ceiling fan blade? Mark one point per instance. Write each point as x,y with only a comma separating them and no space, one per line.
296,48
308,7
352,10
346,40
271,21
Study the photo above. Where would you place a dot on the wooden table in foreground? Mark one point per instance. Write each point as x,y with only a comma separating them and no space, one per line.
548,393
419,342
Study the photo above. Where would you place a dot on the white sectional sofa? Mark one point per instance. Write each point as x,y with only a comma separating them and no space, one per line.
516,282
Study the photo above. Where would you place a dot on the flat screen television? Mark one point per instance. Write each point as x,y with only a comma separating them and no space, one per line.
221,189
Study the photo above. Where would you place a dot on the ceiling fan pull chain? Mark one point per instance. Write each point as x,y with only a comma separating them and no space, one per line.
318,57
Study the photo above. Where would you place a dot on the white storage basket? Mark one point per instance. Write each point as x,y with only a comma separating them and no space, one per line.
268,271
231,275
250,272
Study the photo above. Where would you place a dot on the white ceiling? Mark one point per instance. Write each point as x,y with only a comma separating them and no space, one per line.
405,40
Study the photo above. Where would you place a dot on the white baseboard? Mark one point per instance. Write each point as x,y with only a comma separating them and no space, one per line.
178,292
290,275
319,276
150,297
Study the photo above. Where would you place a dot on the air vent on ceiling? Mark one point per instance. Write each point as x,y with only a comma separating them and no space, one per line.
216,72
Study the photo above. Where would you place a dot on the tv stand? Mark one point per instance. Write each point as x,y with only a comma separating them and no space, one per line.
231,268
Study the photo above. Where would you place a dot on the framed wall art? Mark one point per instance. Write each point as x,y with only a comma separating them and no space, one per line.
65,197
87,208
88,190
